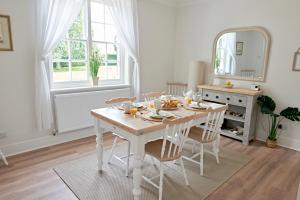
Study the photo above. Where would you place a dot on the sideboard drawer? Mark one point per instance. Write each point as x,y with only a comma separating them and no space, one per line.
213,96
240,100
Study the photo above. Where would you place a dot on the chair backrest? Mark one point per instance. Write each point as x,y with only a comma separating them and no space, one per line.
248,72
152,95
117,101
213,123
176,133
176,88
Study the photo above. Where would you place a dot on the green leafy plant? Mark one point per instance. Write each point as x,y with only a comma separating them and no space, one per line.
96,60
268,106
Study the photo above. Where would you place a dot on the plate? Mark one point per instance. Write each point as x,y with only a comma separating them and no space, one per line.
138,105
171,108
201,107
162,115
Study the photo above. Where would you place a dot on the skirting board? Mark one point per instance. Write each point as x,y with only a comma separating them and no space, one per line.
283,141
41,142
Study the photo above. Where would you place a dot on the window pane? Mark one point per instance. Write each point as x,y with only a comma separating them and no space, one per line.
79,71
110,33
97,12
108,18
60,71
97,32
101,48
113,71
61,51
77,30
78,50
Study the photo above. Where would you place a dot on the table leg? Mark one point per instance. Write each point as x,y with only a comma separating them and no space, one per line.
99,143
138,155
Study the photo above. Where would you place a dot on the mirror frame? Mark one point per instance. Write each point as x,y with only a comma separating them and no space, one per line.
267,37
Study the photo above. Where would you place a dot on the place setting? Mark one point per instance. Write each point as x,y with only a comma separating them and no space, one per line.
194,102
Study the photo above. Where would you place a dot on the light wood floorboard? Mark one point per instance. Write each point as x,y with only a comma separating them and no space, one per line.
272,173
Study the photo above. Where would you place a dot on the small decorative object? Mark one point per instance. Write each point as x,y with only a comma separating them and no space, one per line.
133,111
268,106
228,84
296,63
5,34
239,48
96,60
255,87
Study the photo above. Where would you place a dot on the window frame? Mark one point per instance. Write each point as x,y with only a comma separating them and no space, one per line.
70,84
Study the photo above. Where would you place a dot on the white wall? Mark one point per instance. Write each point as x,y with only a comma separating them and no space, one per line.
197,26
157,23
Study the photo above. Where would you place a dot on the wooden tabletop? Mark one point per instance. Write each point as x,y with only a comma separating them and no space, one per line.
139,125
243,91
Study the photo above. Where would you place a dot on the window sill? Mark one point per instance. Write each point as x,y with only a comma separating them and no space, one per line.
88,89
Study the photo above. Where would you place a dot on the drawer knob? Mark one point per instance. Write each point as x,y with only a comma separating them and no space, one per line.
240,101
217,97
206,95
228,98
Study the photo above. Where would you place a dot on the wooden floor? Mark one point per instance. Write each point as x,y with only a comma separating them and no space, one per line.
272,174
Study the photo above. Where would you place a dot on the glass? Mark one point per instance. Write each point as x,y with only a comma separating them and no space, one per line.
113,70
133,111
97,32
61,71
97,11
78,50
61,51
77,30
110,34
79,71
108,17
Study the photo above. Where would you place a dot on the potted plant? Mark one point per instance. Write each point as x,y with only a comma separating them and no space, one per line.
96,60
268,106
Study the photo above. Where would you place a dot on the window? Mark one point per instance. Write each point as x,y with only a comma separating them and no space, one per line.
92,31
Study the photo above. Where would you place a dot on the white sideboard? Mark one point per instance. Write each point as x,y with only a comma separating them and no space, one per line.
240,118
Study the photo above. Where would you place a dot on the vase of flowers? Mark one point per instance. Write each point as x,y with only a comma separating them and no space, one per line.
96,60
267,107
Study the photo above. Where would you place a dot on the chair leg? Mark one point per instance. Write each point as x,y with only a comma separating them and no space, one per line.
3,158
112,149
183,171
193,148
201,159
161,178
216,151
128,156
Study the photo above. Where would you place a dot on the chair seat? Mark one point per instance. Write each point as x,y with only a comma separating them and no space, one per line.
196,133
154,148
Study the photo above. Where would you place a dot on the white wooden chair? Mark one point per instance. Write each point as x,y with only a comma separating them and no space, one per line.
176,88
207,134
169,148
152,96
112,103
3,158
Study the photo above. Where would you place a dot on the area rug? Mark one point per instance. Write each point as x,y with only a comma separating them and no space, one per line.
83,179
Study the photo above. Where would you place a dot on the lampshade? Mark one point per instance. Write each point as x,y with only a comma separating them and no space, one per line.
196,74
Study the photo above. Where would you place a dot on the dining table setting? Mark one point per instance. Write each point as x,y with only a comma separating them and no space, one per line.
141,122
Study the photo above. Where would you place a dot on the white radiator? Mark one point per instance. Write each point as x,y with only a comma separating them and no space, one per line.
73,110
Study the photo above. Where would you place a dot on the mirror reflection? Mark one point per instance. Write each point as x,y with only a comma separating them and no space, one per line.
241,54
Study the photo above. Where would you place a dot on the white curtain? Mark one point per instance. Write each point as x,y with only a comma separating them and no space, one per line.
54,18
125,17
230,46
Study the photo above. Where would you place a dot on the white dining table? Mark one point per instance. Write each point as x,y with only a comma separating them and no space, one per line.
137,131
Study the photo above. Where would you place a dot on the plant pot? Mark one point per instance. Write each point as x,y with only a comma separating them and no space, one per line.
271,143
95,81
